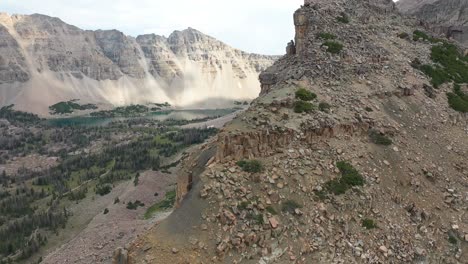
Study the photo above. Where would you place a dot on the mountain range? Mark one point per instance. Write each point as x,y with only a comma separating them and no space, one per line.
43,61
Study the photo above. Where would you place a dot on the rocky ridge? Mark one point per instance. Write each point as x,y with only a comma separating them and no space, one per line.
410,206
43,55
446,17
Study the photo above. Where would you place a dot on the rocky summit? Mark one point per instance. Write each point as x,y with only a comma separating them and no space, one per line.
355,152
41,55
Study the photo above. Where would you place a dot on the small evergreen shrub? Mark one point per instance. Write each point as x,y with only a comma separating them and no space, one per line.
252,166
324,106
336,186
369,224
303,107
368,109
452,239
106,211
305,95
333,47
326,36
349,177
103,189
290,206
134,205
379,139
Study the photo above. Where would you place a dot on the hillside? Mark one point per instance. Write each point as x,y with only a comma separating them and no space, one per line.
353,153
44,61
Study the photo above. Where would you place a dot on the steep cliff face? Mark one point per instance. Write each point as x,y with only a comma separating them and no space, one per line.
348,156
446,17
44,55
12,62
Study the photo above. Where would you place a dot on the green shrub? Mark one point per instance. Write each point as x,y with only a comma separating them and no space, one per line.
454,63
457,103
349,174
106,211
336,186
437,74
290,206
326,36
452,239
131,206
134,205
303,107
369,224
379,139
324,106
333,46
349,177
343,18
252,166
305,95
368,109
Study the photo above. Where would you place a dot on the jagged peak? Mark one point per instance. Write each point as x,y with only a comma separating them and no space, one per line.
190,35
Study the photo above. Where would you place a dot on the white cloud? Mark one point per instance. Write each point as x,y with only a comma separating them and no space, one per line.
262,26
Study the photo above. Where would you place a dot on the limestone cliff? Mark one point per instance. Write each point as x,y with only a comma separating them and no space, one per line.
44,56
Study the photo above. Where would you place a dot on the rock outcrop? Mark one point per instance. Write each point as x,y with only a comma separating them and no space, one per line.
44,55
445,17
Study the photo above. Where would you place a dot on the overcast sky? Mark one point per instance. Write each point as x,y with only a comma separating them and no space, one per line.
261,26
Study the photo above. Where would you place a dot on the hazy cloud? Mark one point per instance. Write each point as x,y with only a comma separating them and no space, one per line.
262,26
